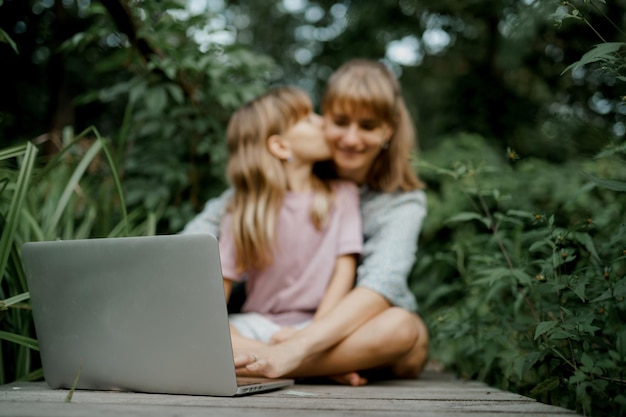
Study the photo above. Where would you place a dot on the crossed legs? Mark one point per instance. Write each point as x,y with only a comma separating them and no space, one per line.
394,339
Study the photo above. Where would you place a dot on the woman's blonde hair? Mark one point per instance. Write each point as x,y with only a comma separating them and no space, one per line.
258,177
362,85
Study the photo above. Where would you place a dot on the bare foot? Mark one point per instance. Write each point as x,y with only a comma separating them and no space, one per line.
350,378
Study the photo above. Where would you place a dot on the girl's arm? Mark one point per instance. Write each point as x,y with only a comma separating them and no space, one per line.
228,287
349,246
340,284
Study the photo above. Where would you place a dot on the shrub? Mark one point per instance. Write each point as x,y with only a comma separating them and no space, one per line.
527,262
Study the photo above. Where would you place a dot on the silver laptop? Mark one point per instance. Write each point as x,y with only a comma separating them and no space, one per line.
141,314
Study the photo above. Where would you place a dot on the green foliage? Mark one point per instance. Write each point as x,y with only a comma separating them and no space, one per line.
528,262
76,194
607,54
178,94
522,273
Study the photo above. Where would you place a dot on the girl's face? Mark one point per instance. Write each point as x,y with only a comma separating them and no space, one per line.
307,141
355,141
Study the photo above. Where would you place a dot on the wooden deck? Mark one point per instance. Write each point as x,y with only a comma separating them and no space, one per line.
434,394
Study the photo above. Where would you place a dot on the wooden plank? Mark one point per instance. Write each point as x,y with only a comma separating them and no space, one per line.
431,396
101,410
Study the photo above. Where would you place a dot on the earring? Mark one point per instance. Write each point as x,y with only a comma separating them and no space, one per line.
384,145
289,158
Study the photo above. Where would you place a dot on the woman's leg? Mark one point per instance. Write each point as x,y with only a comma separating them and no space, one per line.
411,365
394,338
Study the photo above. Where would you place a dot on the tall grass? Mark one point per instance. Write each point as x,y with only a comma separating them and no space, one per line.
77,193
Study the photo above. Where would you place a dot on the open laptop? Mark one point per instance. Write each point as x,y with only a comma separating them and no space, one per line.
141,314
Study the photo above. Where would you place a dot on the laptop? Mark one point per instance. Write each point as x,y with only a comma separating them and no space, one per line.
143,314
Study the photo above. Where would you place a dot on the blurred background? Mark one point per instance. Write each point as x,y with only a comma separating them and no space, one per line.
118,108
177,69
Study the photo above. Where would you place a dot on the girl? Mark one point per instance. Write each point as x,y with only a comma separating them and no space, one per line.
292,236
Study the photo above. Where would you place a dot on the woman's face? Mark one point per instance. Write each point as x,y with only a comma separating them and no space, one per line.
355,141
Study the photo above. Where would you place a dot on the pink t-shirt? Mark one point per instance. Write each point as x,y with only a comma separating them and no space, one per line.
289,291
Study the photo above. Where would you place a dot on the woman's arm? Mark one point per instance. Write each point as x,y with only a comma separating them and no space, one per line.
209,219
391,226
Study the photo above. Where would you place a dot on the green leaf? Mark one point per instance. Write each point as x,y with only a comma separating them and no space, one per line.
156,100
613,185
4,304
544,327
15,208
589,244
540,243
562,334
520,213
547,385
4,37
601,52
579,290
586,360
12,152
621,343
20,340
176,92
467,216
525,363
577,377
70,187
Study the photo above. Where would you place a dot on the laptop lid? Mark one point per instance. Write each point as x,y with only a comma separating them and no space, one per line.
139,313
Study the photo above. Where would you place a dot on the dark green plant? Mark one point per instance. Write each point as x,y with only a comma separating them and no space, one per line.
524,299
529,262
177,93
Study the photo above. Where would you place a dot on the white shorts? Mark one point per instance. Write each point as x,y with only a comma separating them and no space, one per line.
258,327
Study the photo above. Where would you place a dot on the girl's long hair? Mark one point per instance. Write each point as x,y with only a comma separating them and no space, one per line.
362,85
258,177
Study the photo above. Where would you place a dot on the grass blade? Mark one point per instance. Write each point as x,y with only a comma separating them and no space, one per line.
12,152
4,304
20,340
116,179
70,187
15,208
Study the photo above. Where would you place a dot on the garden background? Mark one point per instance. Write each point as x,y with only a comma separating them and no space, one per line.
112,119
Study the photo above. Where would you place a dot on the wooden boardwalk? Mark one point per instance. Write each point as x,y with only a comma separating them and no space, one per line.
434,394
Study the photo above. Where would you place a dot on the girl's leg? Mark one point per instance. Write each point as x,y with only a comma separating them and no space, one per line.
242,342
395,338
250,330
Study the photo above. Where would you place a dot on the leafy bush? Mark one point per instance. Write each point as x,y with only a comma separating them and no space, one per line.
522,273
177,93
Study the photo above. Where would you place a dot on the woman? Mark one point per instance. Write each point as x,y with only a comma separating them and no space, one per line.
370,133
